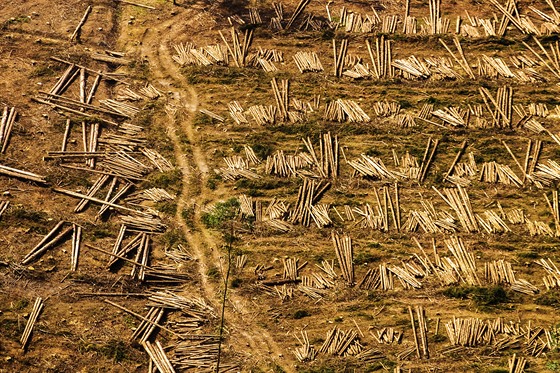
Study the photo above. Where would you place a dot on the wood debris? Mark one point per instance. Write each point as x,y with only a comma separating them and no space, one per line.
344,254
516,364
158,356
420,334
6,124
306,352
33,316
53,238
307,62
341,343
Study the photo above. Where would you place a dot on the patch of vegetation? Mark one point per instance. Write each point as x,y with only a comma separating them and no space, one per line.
213,272
528,255
263,184
173,237
167,207
172,181
188,216
20,304
553,365
365,257
26,213
101,232
15,21
202,119
42,71
482,296
10,328
300,314
113,349
212,182
221,213
550,298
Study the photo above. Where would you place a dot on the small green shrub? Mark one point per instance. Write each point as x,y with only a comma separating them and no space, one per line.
221,213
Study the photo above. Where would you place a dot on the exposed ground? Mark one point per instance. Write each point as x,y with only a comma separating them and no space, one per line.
77,331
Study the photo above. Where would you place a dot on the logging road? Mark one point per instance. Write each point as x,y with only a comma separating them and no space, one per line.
256,343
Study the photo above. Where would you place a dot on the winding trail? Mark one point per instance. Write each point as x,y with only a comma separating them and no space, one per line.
250,339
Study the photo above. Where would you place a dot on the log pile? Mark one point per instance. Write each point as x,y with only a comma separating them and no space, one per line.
198,355
341,343
49,241
459,201
537,228
326,159
381,58
158,356
309,194
492,172
467,332
454,116
491,222
33,316
237,167
236,112
345,111
552,279
344,254
499,272
307,62
292,268
497,334
239,50
339,56
464,260
517,364
263,115
306,352
373,167
287,165
387,211
380,278
386,108
6,124
412,68
188,54
387,335
420,334
4,206
502,106
436,24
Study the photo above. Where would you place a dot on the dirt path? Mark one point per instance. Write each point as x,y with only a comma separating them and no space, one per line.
254,341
